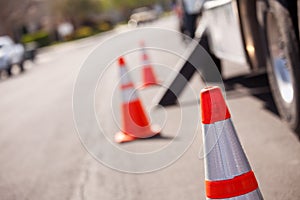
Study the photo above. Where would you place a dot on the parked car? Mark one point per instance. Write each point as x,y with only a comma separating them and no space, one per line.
10,54
143,15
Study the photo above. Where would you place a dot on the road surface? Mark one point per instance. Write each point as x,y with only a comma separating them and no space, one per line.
42,157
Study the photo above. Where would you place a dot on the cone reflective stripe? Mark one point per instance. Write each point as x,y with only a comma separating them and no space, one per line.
147,73
135,123
227,171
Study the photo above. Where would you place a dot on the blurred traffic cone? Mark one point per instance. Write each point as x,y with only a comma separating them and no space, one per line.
148,72
135,123
227,171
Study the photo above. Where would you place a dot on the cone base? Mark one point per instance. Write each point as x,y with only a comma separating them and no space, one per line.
149,77
122,137
145,85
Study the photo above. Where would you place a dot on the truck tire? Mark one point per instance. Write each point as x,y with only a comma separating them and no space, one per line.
283,64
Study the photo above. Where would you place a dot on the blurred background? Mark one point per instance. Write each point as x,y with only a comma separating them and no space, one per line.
48,22
45,43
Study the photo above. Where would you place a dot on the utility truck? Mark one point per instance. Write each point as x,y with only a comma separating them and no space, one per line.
262,34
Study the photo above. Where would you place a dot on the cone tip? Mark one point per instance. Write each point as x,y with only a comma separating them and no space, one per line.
213,105
121,61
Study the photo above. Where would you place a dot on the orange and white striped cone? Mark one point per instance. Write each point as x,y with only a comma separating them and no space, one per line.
148,74
135,123
227,171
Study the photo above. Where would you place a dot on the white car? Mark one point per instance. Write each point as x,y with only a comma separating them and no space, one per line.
10,54
143,15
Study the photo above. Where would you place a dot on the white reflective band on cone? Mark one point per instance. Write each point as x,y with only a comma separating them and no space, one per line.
129,95
125,77
143,50
225,158
146,63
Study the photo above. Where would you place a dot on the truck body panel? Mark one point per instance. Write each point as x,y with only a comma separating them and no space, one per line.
223,30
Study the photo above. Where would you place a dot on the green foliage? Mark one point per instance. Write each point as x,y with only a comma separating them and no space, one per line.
41,37
83,32
104,26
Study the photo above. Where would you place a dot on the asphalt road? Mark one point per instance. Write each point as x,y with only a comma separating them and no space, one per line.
43,158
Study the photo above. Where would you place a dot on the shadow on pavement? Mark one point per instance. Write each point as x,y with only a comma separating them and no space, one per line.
161,136
246,85
254,85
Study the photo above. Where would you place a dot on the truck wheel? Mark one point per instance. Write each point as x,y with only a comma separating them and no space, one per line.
283,64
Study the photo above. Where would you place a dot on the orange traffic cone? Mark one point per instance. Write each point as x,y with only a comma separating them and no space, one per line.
148,72
227,171
135,123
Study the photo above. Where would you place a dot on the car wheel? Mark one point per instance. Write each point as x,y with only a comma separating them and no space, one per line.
283,64
9,70
21,65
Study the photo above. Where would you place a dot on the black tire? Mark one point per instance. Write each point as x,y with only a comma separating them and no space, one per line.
9,70
283,64
21,65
